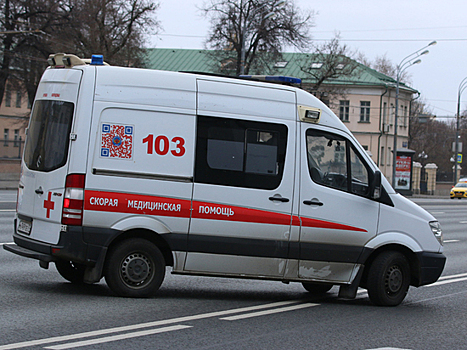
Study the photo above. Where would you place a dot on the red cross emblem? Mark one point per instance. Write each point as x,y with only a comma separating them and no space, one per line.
49,205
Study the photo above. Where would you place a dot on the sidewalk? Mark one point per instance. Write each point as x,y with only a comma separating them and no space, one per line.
9,181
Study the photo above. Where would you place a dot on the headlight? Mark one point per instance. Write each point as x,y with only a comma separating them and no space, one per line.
436,229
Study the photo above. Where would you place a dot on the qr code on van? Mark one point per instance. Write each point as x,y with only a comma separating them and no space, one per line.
117,141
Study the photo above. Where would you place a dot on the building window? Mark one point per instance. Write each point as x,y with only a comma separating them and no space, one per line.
389,156
365,111
381,159
8,96
5,137
344,107
405,116
18,99
281,64
385,106
391,114
16,143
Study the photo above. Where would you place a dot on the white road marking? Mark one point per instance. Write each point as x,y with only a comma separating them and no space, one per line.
388,349
451,241
118,337
462,222
143,325
268,312
7,210
439,283
6,243
453,276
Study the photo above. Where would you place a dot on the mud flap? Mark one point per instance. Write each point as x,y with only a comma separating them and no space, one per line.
349,291
93,274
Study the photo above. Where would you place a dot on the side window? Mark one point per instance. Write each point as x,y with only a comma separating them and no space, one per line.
240,153
333,162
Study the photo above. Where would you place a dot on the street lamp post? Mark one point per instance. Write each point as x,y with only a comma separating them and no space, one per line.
407,62
245,21
461,89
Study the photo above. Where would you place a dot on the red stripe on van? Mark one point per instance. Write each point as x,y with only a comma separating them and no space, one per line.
165,206
211,211
308,222
136,204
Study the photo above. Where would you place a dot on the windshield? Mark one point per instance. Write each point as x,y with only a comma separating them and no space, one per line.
461,184
46,146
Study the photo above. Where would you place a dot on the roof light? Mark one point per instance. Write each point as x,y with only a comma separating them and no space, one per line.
97,60
273,78
309,114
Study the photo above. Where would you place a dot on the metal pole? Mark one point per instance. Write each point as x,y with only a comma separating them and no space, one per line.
462,86
244,22
457,136
405,63
242,53
394,150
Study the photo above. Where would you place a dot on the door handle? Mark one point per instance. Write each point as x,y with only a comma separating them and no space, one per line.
40,191
279,198
313,202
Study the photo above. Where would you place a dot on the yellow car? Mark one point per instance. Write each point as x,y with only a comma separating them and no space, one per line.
459,191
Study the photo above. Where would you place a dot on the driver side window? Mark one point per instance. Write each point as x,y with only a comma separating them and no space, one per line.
333,162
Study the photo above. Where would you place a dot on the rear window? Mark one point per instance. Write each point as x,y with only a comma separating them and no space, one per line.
47,141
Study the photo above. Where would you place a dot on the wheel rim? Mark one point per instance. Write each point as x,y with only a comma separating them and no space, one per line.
394,279
137,270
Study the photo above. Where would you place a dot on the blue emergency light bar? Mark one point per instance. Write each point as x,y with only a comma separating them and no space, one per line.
274,78
97,60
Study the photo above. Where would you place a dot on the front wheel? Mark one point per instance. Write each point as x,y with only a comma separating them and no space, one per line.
135,268
388,279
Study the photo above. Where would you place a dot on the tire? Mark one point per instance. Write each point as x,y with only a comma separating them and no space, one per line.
388,279
317,288
71,271
134,268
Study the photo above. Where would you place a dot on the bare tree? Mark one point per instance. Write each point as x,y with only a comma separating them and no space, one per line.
383,65
23,24
247,34
113,28
331,60
32,29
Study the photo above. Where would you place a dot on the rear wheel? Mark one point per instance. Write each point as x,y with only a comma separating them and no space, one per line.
316,288
71,271
135,268
388,279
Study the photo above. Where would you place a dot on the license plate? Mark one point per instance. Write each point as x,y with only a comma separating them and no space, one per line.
25,227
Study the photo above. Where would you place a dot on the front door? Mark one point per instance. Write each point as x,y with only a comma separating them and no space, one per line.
337,215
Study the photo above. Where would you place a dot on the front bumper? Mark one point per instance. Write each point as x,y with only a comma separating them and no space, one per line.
455,194
431,267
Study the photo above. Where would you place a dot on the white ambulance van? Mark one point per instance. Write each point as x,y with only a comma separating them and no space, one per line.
127,171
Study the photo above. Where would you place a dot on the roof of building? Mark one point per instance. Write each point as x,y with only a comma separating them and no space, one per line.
289,65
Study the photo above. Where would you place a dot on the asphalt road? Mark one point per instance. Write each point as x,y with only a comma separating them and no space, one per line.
40,310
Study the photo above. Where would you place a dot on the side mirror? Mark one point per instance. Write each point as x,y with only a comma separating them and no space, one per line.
375,188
